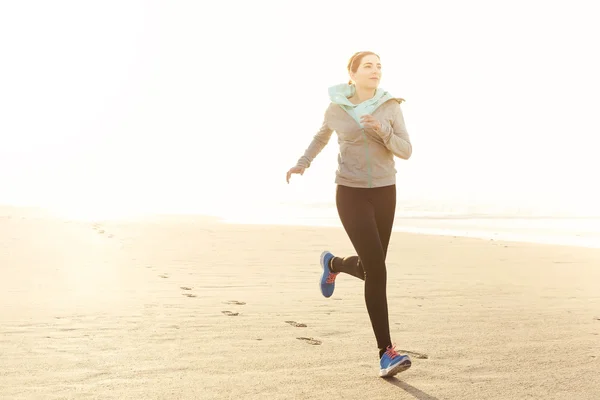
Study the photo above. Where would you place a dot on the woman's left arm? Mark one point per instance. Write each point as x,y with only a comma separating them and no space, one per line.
395,136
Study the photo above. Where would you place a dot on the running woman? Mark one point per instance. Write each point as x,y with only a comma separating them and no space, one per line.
370,128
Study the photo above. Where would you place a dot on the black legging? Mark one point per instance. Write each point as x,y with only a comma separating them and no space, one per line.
367,215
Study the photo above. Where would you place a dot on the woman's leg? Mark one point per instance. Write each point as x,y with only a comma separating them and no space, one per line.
350,265
384,201
357,211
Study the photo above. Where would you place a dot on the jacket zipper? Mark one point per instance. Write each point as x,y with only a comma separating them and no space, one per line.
369,175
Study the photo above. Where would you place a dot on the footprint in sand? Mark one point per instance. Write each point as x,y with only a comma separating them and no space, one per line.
296,324
230,314
187,294
414,354
98,229
314,342
235,302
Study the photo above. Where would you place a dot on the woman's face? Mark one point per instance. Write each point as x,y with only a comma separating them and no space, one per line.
368,74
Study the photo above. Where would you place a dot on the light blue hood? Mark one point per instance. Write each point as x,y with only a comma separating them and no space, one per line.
339,94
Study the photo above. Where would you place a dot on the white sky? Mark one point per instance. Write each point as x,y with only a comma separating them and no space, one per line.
113,105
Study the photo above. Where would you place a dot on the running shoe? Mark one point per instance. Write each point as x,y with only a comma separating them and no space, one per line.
392,363
327,281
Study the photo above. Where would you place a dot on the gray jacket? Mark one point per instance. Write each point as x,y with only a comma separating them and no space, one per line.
366,156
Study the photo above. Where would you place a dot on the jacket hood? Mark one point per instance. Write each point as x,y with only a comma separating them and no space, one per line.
339,94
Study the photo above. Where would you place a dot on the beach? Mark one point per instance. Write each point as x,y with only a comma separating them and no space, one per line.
187,307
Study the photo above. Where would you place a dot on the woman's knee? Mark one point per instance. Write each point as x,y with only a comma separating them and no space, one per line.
375,272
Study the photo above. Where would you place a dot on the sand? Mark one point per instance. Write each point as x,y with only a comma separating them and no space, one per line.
188,308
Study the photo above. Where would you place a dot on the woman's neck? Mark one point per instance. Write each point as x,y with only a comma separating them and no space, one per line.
362,94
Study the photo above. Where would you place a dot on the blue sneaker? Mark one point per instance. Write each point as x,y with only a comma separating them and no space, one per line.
392,363
327,281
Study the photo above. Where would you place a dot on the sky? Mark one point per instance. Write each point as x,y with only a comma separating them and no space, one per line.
121,106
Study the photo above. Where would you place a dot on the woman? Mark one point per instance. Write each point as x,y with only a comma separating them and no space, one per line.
371,131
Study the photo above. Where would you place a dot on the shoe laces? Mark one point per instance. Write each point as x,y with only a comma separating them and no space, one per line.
331,277
391,352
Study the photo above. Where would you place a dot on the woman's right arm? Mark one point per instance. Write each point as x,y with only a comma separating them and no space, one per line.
319,142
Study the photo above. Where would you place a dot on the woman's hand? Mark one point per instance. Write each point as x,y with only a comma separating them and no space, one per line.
294,170
369,121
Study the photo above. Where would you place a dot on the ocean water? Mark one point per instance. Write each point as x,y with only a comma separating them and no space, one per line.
532,225
497,224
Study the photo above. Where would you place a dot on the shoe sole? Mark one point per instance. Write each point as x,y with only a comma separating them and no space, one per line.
396,369
322,262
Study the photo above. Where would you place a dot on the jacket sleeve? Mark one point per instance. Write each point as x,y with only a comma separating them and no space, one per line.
319,141
395,136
